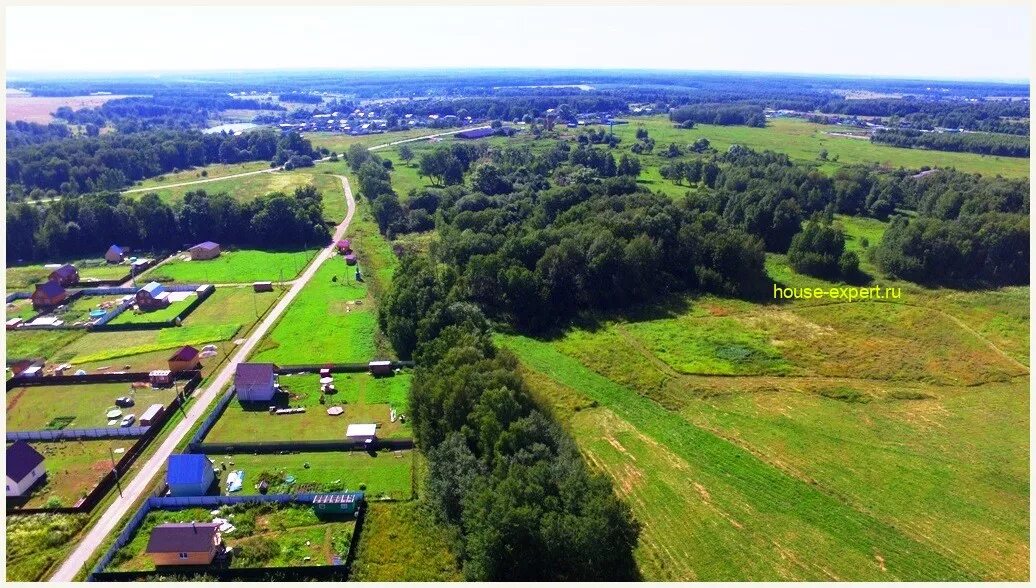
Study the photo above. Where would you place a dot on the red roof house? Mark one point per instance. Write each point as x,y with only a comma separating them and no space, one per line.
186,358
48,294
65,275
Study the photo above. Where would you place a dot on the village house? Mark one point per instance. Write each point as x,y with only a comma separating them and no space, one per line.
115,254
24,467
152,296
185,359
184,544
189,474
48,294
255,382
66,275
206,250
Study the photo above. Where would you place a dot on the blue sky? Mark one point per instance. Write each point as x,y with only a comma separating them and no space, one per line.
925,40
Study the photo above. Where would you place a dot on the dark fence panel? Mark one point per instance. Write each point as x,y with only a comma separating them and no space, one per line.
94,379
282,574
264,447
210,420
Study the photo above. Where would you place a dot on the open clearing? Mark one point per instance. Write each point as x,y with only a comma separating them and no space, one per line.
266,535
383,474
365,399
216,170
235,266
33,408
40,109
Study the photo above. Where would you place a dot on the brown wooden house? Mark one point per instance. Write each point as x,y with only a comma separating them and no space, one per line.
48,294
184,544
66,275
186,358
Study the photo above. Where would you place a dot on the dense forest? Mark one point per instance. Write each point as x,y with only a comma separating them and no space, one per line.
985,143
719,114
84,227
109,162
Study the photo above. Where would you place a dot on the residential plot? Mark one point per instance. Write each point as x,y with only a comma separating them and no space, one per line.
363,398
82,406
73,469
265,535
401,542
331,320
234,266
381,474
24,277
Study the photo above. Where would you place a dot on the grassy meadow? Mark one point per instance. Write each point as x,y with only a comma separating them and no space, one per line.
207,172
401,542
233,266
37,542
808,440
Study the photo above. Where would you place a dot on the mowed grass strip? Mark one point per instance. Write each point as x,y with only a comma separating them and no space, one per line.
95,347
329,321
383,474
234,266
31,408
789,529
253,421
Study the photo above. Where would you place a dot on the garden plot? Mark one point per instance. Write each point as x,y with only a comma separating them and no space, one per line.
264,535
382,474
73,469
178,302
81,406
240,266
363,398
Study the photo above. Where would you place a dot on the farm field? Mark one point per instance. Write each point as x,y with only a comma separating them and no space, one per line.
236,266
385,474
331,320
80,406
808,440
73,469
365,399
40,109
803,140
401,542
216,170
266,535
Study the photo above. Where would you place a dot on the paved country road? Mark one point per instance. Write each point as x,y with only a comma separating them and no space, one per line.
141,483
273,169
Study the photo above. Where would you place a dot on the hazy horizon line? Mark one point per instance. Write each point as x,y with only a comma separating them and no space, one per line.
30,75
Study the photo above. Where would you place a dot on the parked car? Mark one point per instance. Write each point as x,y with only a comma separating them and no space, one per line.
128,420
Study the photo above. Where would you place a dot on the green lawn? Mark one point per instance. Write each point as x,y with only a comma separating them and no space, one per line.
324,323
802,141
132,316
238,266
32,408
266,535
383,474
365,399
73,469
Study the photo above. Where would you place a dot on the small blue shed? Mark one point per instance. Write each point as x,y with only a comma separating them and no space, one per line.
189,474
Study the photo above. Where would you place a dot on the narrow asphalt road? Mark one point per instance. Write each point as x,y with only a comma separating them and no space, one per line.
141,483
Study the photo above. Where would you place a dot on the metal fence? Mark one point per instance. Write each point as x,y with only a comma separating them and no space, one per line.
95,379
73,434
210,420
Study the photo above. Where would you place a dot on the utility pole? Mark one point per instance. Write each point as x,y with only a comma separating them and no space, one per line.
118,483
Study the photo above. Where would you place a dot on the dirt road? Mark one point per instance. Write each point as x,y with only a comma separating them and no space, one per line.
140,485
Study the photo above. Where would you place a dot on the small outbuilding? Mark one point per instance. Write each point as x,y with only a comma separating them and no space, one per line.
365,432
152,414
152,296
189,474
344,503
160,378
206,250
66,275
262,287
186,358
115,254
350,259
48,294
24,467
380,367
184,544
344,246
255,382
